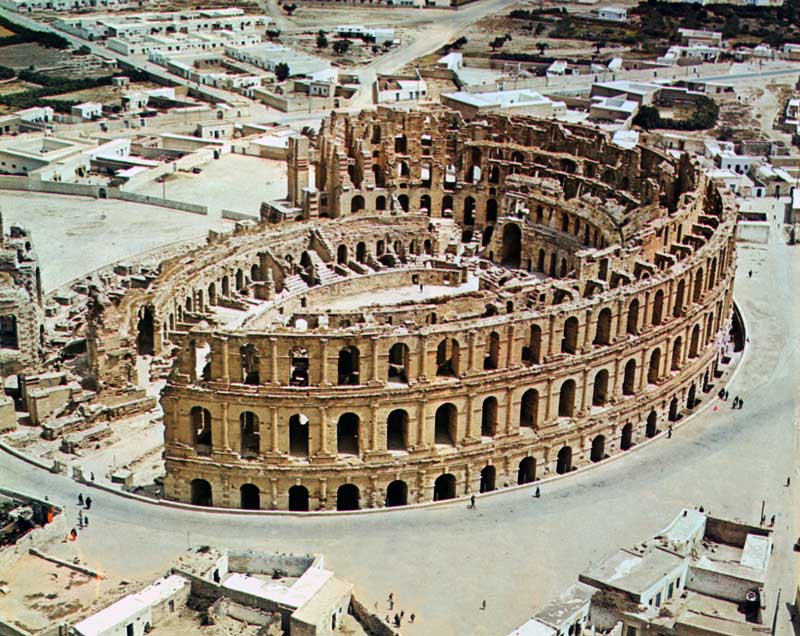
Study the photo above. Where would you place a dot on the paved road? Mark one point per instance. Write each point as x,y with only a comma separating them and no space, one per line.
513,551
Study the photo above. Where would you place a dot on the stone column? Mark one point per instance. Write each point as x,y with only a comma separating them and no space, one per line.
620,321
667,364
374,371
551,335
685,347
323,352
323,430
509,409
273,482
472,338
510,351
273,429
374,426
670,301
617,390
273,358
548,400
226,443
423,358
647,314
584,405
643,370
323,492
421,411
471,417
226,363
587,341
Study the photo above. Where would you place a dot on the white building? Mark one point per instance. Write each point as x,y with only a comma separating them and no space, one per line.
400,90
268,56
612,14
522,101
379,36
36,114
87,110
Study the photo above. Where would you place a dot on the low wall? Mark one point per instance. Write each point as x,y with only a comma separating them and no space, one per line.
27,184
7,629
752,231
239,216
264,563
372,623
164,203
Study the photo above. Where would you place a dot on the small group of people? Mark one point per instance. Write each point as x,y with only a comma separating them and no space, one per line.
723,394
737,403
87,502
397,620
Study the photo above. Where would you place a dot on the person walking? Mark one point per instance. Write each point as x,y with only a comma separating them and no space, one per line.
472,501
788,481
772,520
88,503
669,432
80,499
483,605
741,403
538,492
412,617
750,274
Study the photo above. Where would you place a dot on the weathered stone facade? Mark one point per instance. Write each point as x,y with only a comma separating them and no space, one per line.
582,300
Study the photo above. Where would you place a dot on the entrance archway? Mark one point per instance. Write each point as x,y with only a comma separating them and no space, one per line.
444,487
626,440
598,448
298,498
489,417
396,494
445,424
298,435
397,430
348,497
201,492
250,497
347,434
526,473
566,399
512,245
145,333
488,476
651,428
564,460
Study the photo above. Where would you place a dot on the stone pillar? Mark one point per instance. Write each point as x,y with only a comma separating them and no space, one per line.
323,430
374,370
509,409
670,301
423,358
226,363
323,493
584,388
587,341
510,358
471,417
548,400
620,321
685,347
226,442
551,335
273,429
374,426
643,370
273,358
617,390
273,482
667,364
421,412
323,352
647,316
472,339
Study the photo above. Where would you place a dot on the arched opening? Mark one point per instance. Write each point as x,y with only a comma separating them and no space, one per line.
564,460
694,342
398,363
569,343
380,202
212,294
145,333
629,378
356,203
341,255
298,498
201,429
526,473
298,367
632,326
532,353
488,476
651,426
226,286
492,357
397,430
348,369
201,493
380,248
598,448
626,440
653,368
403,169
376,134
239,280
444,487
494,174
403,201
249,435
298,435
491,211
529,409
250,497
400,144
512,245
469,211
347,434
677,310
677,346
425,204
600,388
447,205
396,494
658,308
602,334
445,423
348,497
566,399
712,273
361,252
489,417
447,358
249,359
697,293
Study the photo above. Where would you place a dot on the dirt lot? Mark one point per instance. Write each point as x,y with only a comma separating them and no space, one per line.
102,94
315,18
14,86
358,53
20,56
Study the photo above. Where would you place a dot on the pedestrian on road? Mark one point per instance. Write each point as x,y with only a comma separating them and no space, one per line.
750,274
472,501
80,519
538,493
669,432
788,481
772,520
412,617
74,534
388,620
483,605
92,476
86,521
88,503
701,509
80,499
397,620
741,402
402,613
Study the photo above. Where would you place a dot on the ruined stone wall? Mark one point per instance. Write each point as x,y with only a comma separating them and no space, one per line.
603,310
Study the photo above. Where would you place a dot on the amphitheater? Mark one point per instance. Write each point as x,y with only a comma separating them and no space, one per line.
452,307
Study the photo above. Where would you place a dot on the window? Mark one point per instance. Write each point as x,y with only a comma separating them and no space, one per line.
631,631
658,599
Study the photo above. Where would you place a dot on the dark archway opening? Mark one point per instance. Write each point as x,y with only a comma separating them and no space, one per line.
348,497
512,245
145,333
201,493
564,460
250,497
488,476
396,494
298,499
526,473
444,487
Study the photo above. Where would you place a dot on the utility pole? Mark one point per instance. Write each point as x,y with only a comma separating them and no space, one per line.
763,502
775,618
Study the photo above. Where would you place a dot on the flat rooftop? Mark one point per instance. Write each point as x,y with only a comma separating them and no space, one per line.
633,573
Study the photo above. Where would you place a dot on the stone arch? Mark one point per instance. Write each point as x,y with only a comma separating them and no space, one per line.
512,245
491,359
425,203
201,493
532,352
404,203
529,409
677,310
600,388
400,144
674,410
249,497
626,439
602,332
491,210
469,211
250,438
658,308
341,254
380,202
694,342
145,332
691,397
444,487
629,378
361,252
564,460
396,494
397,430
566,399
569,343
697,291
397,368
446,424
298,366
348,368
298,498
201,427
347,434
299,435
653,370
447,358
489,417
632,324
598,451
677,346
526,472
447,204
248,355
357,203
348,497
488,479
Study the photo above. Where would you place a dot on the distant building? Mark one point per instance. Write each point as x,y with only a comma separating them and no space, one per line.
522,101
612,14
389,89
692,37
87,110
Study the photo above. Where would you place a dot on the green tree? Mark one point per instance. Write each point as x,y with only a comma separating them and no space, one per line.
282,71
542,46
497,43
322,40
648,118
340,47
